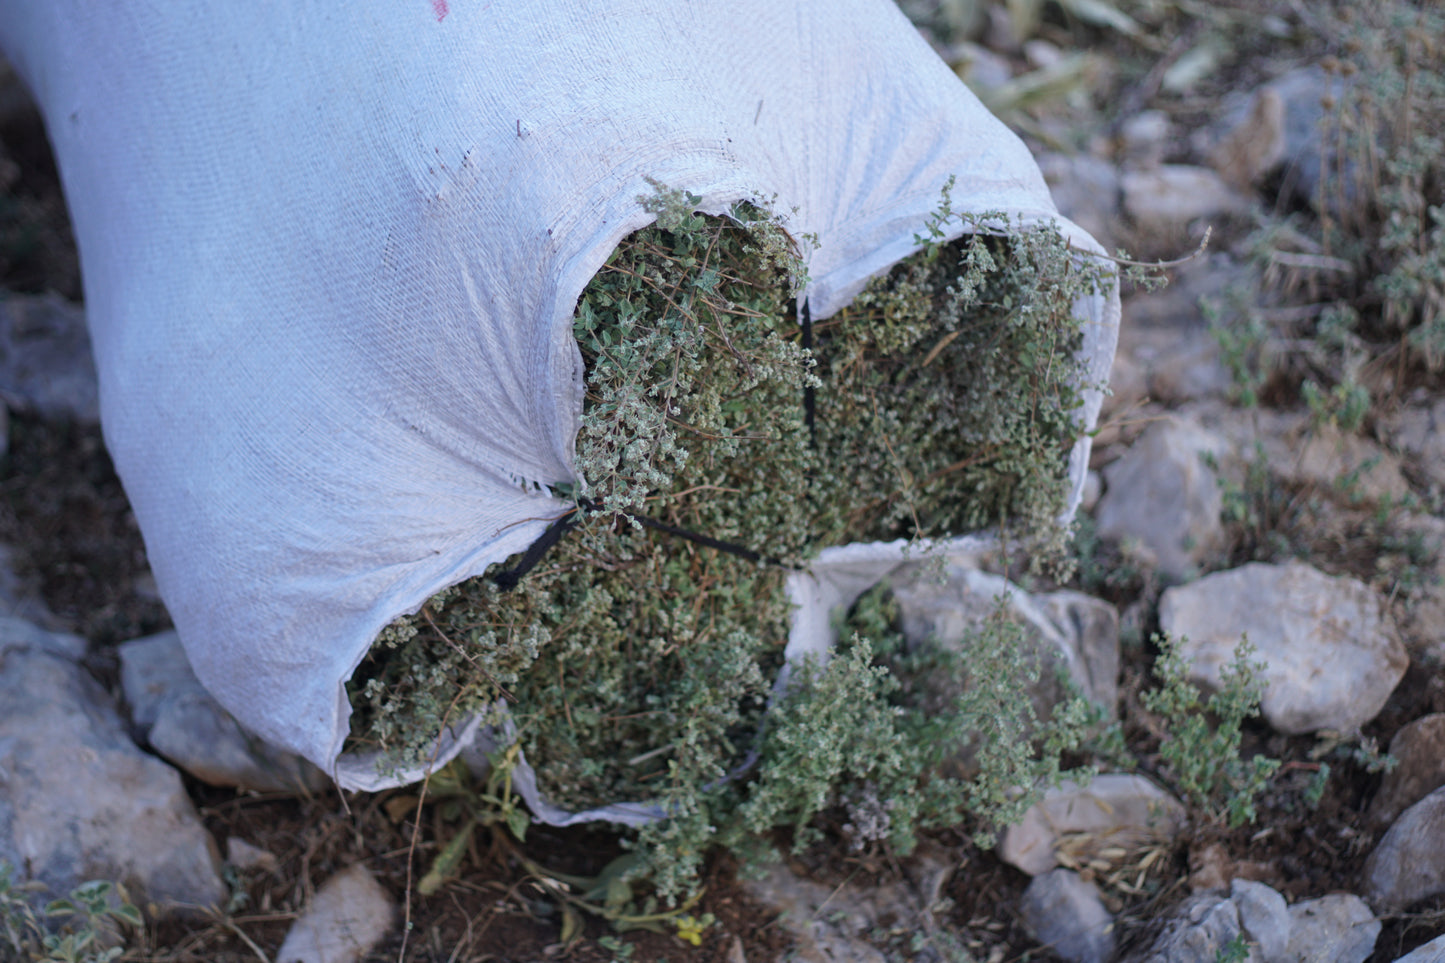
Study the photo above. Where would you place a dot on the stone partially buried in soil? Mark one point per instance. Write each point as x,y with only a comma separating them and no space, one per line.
1201,930
80,801
1408,864
1342,466
1114,810
1431,952
1066,914
1162,493
827,923
1170,197
1263,915
1332,655
1332,929
1069,633
45,360
347,918
1419,753
181,721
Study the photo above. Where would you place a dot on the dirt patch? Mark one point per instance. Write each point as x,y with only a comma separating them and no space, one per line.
77,542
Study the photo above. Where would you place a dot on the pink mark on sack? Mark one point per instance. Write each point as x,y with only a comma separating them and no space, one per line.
439,7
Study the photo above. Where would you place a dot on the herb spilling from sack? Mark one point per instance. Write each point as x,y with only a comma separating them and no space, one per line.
635,662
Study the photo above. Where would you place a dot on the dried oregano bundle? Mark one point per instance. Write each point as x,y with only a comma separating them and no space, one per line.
637,657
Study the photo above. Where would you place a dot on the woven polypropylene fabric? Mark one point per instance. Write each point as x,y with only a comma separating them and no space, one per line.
331,252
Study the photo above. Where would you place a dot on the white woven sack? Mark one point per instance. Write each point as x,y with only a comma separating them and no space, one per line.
331,253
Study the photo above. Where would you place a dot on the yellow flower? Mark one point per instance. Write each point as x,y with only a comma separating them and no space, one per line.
690,928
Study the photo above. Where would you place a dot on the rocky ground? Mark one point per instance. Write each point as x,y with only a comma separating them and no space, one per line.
1222,503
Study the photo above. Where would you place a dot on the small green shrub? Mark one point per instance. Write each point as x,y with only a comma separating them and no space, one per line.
1384,163
1201,752
1343,406
1237,950
66,930
1243,339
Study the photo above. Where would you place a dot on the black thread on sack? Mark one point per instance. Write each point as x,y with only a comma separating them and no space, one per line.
710,542
509,578
808,388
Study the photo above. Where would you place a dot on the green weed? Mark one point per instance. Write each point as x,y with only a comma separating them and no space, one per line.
1201,752
1243,339
72,929
1236,950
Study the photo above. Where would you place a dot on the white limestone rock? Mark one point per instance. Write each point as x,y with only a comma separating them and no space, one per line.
1086,190
1431,952
349,915
1163,493
1332,656
1332,929
1066,632
1113,810
45,360
1204,926
1263,915
181,721
1419,753
1172,196
1066,914
1408,863
78,800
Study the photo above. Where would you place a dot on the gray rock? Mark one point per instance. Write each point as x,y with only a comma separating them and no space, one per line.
1041,55
348,916
1169,338
45,360
1113,810
1331,655
1067,632
1170,197
181,721
1203,927
1419,430
1331,929
1162,493
829,923
1067,915
1263,915
1086,190
1128,397
1187,368
1255,144
979,67
1302,93
1144,138
1091,628
1408,864
1093,488
834,936
247,857
1333,461
1342,466
1419,752
1431,952
78,800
